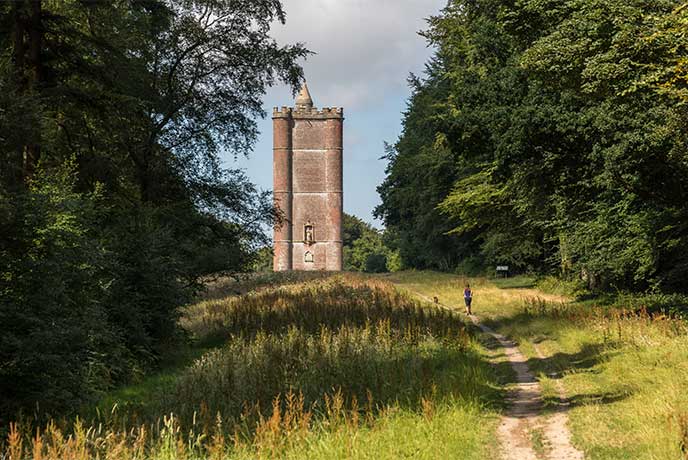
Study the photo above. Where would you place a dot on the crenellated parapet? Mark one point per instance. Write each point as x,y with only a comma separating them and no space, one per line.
308,113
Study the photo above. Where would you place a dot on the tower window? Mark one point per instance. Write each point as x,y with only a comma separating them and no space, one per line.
308,257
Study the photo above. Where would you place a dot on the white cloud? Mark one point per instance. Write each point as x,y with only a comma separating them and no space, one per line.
365,48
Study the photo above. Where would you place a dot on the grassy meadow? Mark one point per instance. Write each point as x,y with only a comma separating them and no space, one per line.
321,366
297,366
624,370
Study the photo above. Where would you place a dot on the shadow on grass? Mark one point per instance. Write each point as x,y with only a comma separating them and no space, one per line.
560,364
556,404
517,282
587,359
587,399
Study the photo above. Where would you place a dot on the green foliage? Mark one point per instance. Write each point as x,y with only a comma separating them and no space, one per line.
376,263
137,99
148,281
556,285
394,263
365,248
353,228
655,303
56,345
263,260
369,245
418,178
470,266
671,73
560,128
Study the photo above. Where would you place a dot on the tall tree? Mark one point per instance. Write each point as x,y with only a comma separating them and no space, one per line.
563,126
113,198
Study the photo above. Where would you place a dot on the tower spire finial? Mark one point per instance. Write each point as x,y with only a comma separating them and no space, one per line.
304,100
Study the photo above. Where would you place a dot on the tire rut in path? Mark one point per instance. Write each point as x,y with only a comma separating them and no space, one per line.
523,416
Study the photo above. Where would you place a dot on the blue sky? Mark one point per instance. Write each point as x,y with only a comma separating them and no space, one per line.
365,51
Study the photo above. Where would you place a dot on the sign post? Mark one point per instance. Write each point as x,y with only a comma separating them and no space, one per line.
503,270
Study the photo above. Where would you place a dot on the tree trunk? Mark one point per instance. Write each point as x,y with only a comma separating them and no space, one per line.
32,151
15,175
27,44
18,51
564,256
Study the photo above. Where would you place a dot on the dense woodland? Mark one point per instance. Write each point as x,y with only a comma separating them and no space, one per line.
550,136
113,201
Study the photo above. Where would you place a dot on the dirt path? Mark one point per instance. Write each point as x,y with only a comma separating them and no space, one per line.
523,422
556,430
524,433
525,403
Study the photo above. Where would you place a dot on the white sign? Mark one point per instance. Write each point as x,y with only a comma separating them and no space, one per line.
502,268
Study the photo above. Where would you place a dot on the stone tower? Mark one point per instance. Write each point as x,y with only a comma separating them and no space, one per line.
307,173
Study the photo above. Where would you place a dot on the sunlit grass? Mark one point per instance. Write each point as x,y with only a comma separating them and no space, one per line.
626,377
491,298
350,367
336,367
624,371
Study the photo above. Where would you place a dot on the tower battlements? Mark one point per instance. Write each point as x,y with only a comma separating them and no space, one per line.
312,112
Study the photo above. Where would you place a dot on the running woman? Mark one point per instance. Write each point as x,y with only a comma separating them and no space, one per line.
468,298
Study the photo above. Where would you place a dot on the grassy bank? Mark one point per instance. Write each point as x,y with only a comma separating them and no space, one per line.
339,367
624,370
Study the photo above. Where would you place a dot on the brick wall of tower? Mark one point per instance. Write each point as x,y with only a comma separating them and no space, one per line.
282,189
308,187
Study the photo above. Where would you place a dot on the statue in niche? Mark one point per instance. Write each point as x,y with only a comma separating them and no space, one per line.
308,233
308,257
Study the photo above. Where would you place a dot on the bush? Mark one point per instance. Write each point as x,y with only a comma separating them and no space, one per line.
555,285
376,263
470,266
148,282
57,346
673,304
89,294
365,248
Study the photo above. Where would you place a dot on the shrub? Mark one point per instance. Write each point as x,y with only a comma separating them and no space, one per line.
56,344
376,263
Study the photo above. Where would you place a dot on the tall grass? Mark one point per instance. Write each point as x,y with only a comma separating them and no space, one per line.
345,300
624,369
328,359
374,359
620,325
623,363
224,286
348,334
